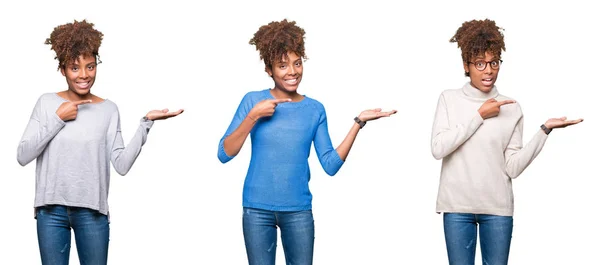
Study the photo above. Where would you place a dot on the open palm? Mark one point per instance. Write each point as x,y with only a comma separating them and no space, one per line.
560,122
162,114
373,114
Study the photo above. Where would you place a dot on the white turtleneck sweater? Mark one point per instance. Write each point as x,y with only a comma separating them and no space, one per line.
480,157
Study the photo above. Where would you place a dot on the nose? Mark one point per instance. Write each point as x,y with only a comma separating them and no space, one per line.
83,74
292,70
488,68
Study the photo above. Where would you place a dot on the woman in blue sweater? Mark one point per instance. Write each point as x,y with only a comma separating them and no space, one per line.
282,125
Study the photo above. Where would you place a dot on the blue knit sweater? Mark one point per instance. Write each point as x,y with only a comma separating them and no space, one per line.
278,175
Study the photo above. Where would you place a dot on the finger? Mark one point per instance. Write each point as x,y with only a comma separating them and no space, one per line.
165,110
79,102
280,100
573,121
504,102
175,113
563,118
388,113
491,100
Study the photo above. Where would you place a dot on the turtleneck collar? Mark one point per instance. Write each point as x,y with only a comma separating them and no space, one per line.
473,92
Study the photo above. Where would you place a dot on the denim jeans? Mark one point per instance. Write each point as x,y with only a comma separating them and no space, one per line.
495,233
260,236
91,228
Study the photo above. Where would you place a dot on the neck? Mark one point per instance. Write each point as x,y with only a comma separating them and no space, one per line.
72,96
473,92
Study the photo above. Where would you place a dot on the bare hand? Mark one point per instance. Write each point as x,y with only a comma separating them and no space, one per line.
491,107
373,114
162,114
68,110
265,108
560,122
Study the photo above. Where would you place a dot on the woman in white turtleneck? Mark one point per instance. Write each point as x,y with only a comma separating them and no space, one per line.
478,133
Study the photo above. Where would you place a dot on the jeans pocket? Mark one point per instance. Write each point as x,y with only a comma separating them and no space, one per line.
41,210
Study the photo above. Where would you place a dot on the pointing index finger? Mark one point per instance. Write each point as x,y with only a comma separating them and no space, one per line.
281,100
79,102
504,102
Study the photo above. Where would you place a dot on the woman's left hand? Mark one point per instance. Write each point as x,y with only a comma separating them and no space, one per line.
162,114
562,122
373,114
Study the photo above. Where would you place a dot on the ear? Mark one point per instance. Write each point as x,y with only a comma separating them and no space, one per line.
62,71
466,67
269,71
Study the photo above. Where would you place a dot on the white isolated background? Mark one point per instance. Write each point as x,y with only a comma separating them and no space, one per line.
180,205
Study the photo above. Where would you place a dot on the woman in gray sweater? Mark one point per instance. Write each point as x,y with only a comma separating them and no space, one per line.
74,135
478,133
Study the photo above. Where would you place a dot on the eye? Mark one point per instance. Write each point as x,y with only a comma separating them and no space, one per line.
283,66
91,67
298,63
479,64
494,63
74,68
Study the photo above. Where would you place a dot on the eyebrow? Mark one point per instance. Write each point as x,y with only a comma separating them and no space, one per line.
77,64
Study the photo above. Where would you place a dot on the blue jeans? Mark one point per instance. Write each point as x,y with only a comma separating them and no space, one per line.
260,236
495,233
54,223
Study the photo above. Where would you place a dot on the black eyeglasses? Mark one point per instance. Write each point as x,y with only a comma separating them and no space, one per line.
481,64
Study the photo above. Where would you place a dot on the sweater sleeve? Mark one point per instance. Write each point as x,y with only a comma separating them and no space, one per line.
444,138
517,157
328,157
240,114
121,156
38,133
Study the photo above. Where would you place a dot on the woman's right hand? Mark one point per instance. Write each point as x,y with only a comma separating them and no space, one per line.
491,107
68,110
265,108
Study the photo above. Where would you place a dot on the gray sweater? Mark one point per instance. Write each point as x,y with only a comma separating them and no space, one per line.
480,157
73,157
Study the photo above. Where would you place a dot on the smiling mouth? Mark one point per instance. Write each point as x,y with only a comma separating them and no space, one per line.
291,81
83,85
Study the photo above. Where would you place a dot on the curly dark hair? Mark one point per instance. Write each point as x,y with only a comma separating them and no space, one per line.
476,37
71,40
276,39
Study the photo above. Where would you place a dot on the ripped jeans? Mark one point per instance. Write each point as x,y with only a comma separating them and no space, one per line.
495,233
91,228
260,236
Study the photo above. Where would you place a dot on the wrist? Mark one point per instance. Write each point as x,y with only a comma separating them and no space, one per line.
252,118
546,129
360,121
253,114
481,114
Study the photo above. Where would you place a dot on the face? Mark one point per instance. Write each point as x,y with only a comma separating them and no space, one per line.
485,79
287,73
80,74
